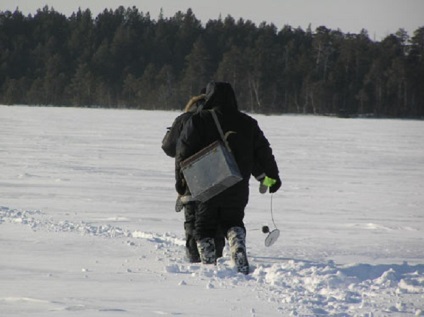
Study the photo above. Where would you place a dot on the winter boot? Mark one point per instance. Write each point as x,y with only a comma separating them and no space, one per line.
237,241
206,248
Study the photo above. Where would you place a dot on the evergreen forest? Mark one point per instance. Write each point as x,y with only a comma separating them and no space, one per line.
124,58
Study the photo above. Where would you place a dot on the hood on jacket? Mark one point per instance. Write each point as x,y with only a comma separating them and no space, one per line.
220,96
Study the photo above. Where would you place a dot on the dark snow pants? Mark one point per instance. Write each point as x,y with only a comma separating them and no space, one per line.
212,217
189,227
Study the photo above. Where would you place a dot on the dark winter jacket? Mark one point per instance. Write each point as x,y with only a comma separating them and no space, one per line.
169,142
247,141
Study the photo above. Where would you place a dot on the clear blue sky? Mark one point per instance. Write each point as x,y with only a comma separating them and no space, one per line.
379,17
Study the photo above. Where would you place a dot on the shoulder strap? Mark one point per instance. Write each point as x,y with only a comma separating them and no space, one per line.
221,133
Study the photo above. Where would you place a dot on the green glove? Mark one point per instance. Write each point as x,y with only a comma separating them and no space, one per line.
265,184
268,181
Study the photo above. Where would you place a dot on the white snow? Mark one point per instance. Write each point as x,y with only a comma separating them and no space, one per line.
88,227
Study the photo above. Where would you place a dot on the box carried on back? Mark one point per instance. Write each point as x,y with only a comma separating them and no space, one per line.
210,171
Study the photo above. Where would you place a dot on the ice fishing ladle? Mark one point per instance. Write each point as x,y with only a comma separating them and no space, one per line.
272,235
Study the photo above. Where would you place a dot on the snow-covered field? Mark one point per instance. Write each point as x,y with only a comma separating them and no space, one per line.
88,227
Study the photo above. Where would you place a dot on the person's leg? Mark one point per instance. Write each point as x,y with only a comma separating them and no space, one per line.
232,221
231,216
191,245
205,229
219,242
237,241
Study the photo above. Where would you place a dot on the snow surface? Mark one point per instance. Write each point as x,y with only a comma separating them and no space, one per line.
88,227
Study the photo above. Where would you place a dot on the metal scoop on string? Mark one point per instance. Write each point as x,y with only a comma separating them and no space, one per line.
274,234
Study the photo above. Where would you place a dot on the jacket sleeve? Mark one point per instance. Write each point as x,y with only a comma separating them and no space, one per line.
169,142
263,157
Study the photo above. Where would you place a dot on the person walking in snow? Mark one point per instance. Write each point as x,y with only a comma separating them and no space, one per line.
169,144
250,148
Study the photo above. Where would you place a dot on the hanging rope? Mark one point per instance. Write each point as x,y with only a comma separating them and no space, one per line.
272,213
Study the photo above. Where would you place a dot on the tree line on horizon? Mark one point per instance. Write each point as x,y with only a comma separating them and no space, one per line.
125,59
